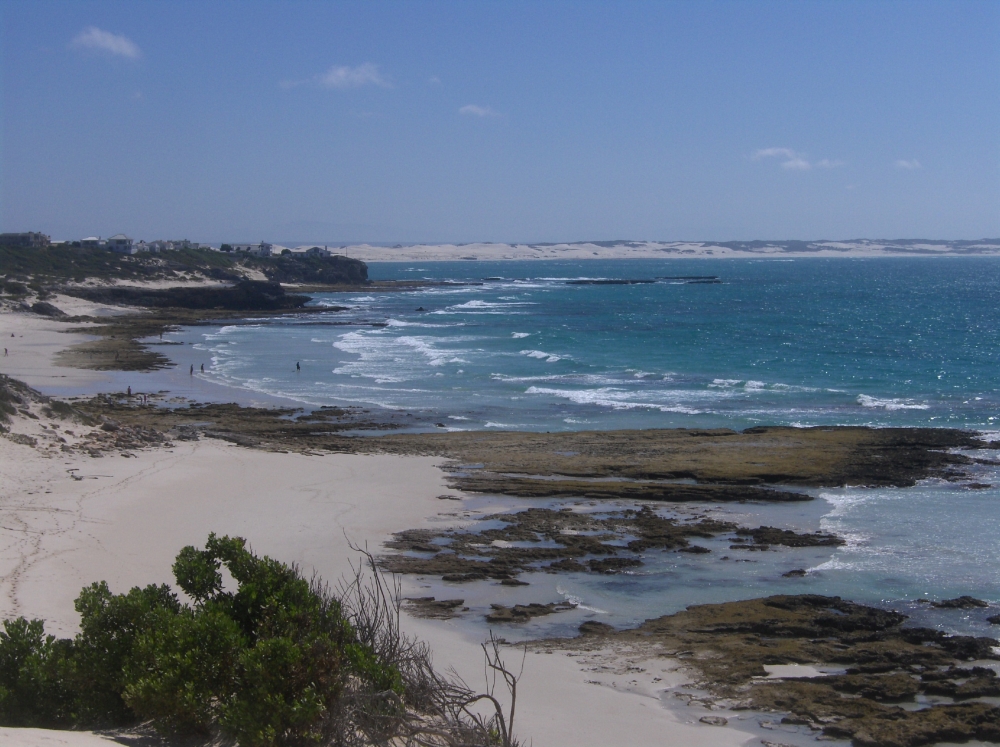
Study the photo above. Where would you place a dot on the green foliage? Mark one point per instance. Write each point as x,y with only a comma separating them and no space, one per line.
109,626
182,671
61,263
35,670
265,663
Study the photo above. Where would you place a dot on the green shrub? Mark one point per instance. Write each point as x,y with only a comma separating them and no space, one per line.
110,624
265,664
35,671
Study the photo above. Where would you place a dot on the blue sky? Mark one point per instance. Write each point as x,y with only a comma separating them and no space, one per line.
501,121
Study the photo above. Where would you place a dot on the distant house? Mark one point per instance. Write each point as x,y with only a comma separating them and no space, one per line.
263,249
27,240
92,242
121,244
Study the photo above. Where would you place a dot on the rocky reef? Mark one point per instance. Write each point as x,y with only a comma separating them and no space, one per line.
512,462
566,541
887,669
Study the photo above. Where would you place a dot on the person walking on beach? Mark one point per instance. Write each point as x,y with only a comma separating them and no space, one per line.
297,367
192,370
203,368
129,391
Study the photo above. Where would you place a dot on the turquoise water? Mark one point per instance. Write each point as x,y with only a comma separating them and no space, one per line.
878,342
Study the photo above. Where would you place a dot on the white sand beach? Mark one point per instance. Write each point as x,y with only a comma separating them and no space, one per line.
68,519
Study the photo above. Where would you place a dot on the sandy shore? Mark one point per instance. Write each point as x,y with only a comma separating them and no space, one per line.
31,342
69,519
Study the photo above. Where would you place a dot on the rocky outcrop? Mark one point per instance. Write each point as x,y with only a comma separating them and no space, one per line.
887,664
247,295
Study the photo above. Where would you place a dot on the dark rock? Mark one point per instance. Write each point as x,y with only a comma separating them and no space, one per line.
565,566
960,603
969,648
788,538
593,627
714,720
695,549
797,573
247,295
335,270
613,565
434,608
994,620
46,309
523,612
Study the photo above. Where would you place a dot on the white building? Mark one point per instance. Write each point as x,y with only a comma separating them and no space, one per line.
121,244
92,242
263,249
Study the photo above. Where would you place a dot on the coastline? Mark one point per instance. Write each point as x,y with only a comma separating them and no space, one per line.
122,518
72,519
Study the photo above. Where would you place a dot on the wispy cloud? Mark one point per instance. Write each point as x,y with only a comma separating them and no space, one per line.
434,81
793,160
343,77
911,165
98,40
473,110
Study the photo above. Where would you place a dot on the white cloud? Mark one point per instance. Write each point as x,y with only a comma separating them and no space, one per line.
786,153
473,110
796,164
793,160
97,40
911,165
341,76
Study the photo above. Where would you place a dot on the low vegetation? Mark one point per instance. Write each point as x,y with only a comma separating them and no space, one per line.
278,660
19,265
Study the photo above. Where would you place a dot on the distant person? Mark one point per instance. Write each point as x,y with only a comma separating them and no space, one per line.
203,368
297,366
129,393
192,370
5,352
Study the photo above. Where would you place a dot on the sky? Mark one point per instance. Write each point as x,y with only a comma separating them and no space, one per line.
504,121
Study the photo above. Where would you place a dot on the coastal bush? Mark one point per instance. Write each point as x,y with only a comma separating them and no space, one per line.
63,263
277,660
35,671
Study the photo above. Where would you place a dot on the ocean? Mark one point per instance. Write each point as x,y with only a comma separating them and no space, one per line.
550,345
